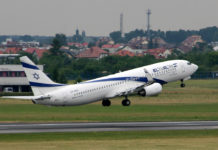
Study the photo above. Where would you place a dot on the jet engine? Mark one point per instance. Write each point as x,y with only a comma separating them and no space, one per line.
151,90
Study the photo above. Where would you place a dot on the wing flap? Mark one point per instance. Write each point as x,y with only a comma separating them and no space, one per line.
123,92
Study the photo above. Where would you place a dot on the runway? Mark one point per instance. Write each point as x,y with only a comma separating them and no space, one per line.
110,126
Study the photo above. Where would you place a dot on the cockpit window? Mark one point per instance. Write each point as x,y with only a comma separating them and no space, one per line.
189,63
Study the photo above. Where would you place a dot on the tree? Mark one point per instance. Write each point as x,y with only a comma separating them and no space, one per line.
212,58
56,62
176,36
61,38
56,45
78,80
26,38
55,66
209,34
116,36
133,34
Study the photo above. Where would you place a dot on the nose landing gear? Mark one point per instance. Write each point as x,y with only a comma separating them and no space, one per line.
182,85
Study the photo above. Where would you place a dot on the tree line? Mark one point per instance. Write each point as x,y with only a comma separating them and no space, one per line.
208,34
61,68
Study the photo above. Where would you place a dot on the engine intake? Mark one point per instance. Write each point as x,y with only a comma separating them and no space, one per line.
151,90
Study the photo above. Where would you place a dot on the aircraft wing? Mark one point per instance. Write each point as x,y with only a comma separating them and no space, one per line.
126,91
132,89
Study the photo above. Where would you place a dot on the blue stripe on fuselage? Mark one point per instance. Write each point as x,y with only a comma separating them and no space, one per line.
25,65
44,84
139,79
160,81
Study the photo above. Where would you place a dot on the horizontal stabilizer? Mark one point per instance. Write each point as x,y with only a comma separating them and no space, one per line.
28,97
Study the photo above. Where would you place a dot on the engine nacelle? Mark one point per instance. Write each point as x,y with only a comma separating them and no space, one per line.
151,90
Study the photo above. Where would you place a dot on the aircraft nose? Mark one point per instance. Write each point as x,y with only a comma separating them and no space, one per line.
195,67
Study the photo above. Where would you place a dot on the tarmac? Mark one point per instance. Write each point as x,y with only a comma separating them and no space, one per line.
106,126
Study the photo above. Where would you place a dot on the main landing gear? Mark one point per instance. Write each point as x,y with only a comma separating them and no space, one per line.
182,85
106,103
126,102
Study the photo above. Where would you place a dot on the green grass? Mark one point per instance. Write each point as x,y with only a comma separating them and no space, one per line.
157,140
97,113
198,101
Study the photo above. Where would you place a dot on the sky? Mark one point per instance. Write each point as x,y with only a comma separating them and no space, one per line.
100,17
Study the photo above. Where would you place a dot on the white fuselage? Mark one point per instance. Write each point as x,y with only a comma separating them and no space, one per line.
116,84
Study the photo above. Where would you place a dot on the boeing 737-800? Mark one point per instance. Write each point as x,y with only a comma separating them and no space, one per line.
145,81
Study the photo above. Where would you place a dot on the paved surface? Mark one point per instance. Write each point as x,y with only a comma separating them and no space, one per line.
118,126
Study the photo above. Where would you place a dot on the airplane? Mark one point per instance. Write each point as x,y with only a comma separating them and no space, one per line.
145,81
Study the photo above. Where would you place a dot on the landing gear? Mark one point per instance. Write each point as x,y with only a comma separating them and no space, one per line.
126,102
106,103
182,85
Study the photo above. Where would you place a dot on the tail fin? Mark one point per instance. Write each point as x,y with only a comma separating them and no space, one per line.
38,80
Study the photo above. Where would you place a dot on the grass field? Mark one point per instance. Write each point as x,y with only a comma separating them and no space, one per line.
198,101
149,140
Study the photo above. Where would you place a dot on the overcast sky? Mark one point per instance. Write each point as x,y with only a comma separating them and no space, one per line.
100,17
